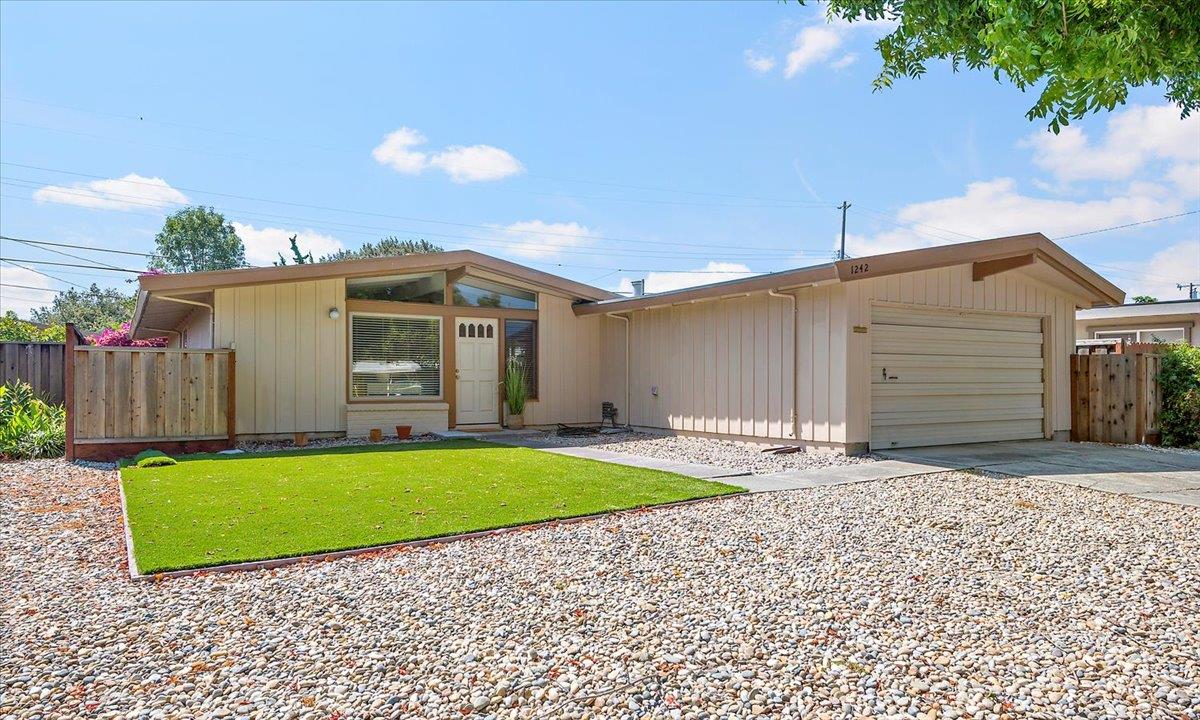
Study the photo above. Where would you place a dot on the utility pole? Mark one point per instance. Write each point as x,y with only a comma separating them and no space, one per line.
1192,289
843,207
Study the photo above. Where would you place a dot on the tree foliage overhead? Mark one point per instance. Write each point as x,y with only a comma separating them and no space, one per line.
195,239
298,257
1144,299
91,310
388,247
1085,54
14,329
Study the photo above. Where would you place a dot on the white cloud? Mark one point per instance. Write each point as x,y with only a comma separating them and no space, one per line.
538,239
263,245
844,61
759,63
1187,177
126,193
396,151
811,45
476,163
464,164
22,300
1133,138
995,208
1158,275
713,272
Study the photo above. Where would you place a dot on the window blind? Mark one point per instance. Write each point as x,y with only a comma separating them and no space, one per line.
520,341
394,356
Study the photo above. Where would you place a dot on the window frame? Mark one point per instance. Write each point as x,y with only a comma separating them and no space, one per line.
441,336
1137,333
537,352
473,282
417,275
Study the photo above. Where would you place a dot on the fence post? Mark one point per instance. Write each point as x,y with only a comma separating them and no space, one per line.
69,388
231,398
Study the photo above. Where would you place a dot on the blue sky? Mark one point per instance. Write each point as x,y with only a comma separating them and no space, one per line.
684,143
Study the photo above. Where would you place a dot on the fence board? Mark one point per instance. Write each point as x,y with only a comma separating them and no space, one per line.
1115,398
39,364
123,395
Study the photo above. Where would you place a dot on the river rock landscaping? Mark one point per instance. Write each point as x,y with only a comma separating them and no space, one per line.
746,457
950,595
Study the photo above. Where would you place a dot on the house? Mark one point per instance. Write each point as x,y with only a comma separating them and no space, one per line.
957,343
1167,321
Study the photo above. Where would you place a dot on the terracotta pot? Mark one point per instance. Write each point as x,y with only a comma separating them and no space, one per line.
516,422
403,431
376,435
300,439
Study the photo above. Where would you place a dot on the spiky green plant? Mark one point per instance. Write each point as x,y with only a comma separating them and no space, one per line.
516,386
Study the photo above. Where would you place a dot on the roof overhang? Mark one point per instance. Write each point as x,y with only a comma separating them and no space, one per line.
1138,311
159,313
1033,254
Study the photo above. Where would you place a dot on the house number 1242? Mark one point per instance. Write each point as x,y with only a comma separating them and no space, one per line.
859,268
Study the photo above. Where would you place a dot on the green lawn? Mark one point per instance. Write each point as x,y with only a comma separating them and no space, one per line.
218,509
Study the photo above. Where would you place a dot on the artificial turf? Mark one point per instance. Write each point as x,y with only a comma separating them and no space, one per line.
219,509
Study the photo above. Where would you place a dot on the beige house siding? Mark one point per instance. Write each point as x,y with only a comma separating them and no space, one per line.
196,330
569,361
953,287
724,367
291,357
361,418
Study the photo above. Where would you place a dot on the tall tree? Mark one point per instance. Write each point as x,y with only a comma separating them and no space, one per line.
91,310
1144,299
195,239
388,247
1085,54
298,257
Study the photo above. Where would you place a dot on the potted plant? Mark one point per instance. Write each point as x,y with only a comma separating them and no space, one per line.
403,431
515,392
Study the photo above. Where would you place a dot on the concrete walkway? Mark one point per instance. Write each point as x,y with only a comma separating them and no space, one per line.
1147,474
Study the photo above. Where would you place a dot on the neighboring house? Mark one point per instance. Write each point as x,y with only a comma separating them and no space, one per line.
958,343
1167,321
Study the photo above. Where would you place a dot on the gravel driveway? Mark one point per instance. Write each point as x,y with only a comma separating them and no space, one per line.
941,596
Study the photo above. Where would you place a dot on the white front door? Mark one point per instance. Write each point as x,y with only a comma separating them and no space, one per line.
477,360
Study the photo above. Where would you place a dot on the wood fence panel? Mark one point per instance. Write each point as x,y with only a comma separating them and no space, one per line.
1115,398
39,364
127,395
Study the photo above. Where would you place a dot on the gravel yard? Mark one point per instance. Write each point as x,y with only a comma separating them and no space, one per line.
952,595
707,451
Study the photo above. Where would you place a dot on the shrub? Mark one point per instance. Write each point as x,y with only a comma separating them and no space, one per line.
153,458
29,426
1179,383
516,389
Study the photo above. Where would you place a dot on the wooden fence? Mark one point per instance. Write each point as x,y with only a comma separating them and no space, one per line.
1115,398
124,399
39,364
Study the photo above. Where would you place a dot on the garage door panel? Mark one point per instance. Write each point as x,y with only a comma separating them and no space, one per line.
952,433
954,377
949,319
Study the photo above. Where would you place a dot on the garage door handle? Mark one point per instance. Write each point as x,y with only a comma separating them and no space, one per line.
888,377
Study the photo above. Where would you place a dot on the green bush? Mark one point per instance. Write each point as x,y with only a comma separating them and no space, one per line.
153,458
29,426
1179,383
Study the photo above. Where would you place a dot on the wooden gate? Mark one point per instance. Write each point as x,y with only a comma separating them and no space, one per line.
1115,398
121,400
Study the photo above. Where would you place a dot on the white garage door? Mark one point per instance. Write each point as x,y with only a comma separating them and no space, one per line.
941,377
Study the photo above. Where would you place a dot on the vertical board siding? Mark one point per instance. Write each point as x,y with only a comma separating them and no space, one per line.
38,364
722,367
953,287
291,356
124,394
569,364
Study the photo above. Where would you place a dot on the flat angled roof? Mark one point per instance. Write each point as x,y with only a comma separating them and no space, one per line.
1035,247
1138,310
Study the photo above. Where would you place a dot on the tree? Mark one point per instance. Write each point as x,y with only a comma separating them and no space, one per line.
91,310
1143,299
388,247
14,329
1088,53
122,336
299,257
195,239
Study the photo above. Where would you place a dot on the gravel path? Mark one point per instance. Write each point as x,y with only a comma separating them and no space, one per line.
707,451
943,596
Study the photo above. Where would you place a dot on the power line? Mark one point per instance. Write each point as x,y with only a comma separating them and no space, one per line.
61,264
28,287
83,247
1129,225
60,252
52,277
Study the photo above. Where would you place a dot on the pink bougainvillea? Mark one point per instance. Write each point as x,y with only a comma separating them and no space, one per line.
119,337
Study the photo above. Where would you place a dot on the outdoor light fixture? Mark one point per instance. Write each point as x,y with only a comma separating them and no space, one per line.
334,313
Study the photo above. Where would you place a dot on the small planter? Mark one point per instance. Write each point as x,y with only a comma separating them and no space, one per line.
404,431
516,422
300,439
376,435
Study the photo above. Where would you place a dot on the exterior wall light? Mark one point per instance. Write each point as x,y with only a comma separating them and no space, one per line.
334,313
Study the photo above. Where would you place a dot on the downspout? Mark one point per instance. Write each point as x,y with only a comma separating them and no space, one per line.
795,362
212,316
628,409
